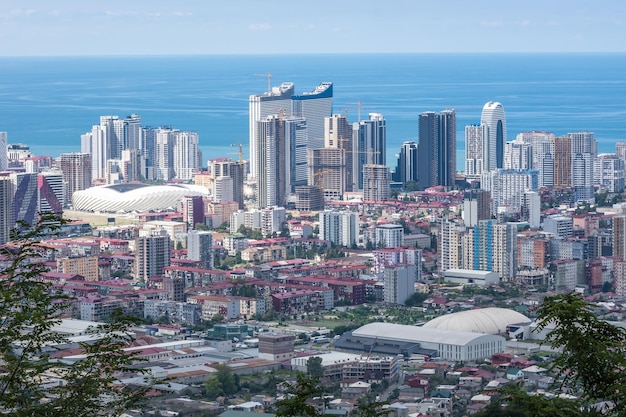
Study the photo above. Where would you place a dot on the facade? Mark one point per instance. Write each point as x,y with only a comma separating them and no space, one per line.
446,344
608,173
389,236
270,165
276,346
152,253
475,150
296,147
133,197
51,190
309,198
227,168
619,237
560,226
193,210
338,134
76,169
584,150
376,183
314,106
4,160
449,245
186,155
531,209
327,170
476,206
200,247
275,100
340,228
6,208
399,283
493,116
25,197
562,161
507,187
437,149
369,142
407,163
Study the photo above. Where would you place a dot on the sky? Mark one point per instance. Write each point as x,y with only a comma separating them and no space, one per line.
160,27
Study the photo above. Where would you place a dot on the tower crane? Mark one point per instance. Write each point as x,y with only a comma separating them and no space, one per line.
358,103
240,152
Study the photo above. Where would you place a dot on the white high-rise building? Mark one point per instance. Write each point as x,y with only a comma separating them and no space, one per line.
608,172
389,235
340,228
200,247
314,106
584,150
4,159
517,155
493,117
164,153
369,143
270,165
6,208
399,283
475,150
186,155
275,101
95,144
531,209
507,187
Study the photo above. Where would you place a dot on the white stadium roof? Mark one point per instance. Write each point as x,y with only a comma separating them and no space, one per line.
407,333
490,320
125,198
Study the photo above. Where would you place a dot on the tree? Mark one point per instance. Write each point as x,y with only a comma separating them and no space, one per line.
30,308
593,350
591,364
295,402
367,408
314,368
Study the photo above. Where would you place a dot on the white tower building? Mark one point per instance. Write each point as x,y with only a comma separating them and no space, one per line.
493,117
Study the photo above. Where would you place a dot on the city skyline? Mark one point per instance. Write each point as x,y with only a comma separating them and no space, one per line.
70,27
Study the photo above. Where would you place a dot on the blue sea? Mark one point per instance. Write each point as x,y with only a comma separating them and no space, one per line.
48,102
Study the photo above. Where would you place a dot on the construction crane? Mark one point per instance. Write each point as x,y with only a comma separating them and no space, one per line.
318,178
269,81
358,103
240,153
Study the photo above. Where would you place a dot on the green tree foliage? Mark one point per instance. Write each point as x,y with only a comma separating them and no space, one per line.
30,308
223,382
314,368
591,365
593,350
295,403
416,300
366,408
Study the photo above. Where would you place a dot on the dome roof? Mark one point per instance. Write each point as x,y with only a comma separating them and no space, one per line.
119,198
490,320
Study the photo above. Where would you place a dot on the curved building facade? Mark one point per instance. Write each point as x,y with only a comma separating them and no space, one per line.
123,198
483,320
493,117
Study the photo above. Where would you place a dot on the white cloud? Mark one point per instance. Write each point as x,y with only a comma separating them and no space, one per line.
182,14
259,26
523,23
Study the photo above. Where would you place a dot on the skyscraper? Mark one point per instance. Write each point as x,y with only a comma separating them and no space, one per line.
76,168
562,161
369,142
376,182
493,117
340,228
226,167
475,157
6,208
26,197
314,106
619,237
437,149
4,164
51,190
186,155
152,253
327,170
296,146
407,163
275,101
338,134
270,167
584,150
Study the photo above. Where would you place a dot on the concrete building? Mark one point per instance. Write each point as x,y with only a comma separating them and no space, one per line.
200,247
152,253
376,183
277,347
493,116
468,276
340,228
389,235
399,283
6,208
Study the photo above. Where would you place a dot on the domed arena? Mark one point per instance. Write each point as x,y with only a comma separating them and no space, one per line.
490,320
127,198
